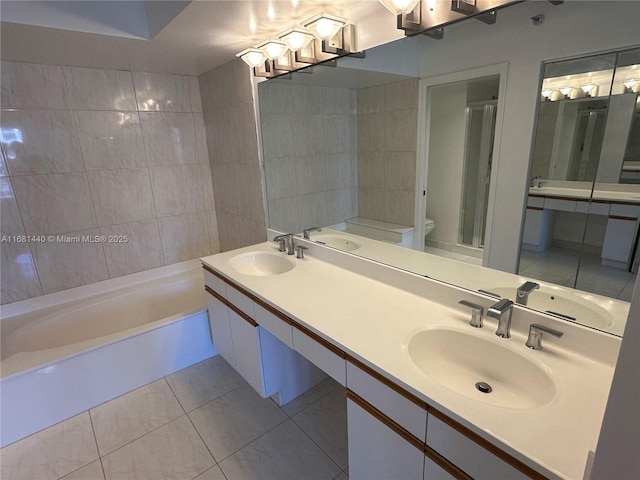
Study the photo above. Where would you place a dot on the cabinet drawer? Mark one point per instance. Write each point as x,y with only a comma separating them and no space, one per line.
535,202
403,408
215,283
471,457
240,300
433,471
632,211
246,344
275,325
322,354
556,204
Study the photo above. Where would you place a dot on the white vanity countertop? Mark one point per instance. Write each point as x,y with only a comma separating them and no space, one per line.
373,322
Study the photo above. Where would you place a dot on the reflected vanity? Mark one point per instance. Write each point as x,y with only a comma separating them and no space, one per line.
340,148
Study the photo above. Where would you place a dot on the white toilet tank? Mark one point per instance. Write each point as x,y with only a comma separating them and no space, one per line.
429,225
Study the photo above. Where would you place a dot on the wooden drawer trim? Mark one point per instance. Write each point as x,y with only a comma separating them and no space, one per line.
615,202
243,315
619,217
246,293
535,208
505,457
373,411
314,336
274,311
446,465
385,381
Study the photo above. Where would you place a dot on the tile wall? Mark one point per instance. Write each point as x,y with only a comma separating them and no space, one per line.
387,129
90,152
309,148
227,99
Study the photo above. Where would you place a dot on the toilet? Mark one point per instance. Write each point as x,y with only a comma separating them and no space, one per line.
429,225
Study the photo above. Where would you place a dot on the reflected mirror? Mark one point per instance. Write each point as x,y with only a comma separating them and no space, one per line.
340,151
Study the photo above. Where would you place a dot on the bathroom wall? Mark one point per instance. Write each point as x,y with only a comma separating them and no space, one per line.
309,148
227,99
89,153
387,129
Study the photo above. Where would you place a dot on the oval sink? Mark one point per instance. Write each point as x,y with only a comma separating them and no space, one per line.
336,241
581,309
459,361
261,264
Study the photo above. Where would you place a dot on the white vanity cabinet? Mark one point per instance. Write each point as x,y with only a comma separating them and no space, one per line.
257,342
321,353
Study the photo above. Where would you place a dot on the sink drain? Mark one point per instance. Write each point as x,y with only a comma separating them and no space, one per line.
484,387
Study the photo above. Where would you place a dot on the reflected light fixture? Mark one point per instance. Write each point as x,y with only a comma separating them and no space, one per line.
588,89
547,93
296,39
252,57
398,7
272,49
631,85
566,91
325,26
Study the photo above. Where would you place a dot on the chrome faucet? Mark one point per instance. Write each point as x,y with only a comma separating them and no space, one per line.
524,290
503,310
476,313
305,232
534,341
285,242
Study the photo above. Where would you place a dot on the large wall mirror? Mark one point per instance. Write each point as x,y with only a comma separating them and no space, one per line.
343,146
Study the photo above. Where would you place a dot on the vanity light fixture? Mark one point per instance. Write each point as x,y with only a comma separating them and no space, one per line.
398,7
272,49
566,91
631,85
252,57
589,89
547,94
325,26
296,39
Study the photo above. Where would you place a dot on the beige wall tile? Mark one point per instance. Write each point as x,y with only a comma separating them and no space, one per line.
184,237
40,141
96,89
194,93
10,219
121,196
141,251
55,203
27,85
110,140
3,166
177,189
65,264
18,275
158,92
207,187
202,152
169,138
214,236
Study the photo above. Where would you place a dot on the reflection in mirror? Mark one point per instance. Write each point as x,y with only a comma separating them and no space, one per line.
581,225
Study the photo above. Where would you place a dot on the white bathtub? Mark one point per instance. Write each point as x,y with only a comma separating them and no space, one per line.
64,353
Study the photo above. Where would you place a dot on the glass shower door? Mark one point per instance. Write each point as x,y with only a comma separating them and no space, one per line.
480,129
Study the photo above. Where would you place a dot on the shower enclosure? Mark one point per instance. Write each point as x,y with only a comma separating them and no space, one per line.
479,135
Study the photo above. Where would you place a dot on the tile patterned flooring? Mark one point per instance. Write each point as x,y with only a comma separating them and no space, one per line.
204,422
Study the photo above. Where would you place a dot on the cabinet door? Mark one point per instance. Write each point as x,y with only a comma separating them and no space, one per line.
432,471
246,345
376,452
220,328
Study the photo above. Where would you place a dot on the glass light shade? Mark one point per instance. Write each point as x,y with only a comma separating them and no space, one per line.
629,84
296,39
566,91
252,57
547,93
273,49
588,88
325,26
398,7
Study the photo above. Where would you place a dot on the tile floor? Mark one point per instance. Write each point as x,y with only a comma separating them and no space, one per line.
204,422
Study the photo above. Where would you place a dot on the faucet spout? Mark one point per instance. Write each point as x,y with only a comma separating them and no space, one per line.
524,290
286,240
305,232
502,310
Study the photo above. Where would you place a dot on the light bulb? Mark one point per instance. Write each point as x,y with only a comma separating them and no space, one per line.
398,7
588,88
547,93
566,91
252,57
325,26
629,84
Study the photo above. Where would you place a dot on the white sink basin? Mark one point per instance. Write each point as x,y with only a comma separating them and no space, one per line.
581,309
336,241
261,264
459,361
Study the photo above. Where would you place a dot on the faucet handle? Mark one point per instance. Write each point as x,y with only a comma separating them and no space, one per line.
534,340
305,232
300,251
476,313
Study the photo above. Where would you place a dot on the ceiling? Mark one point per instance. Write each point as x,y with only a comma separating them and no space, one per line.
157,36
